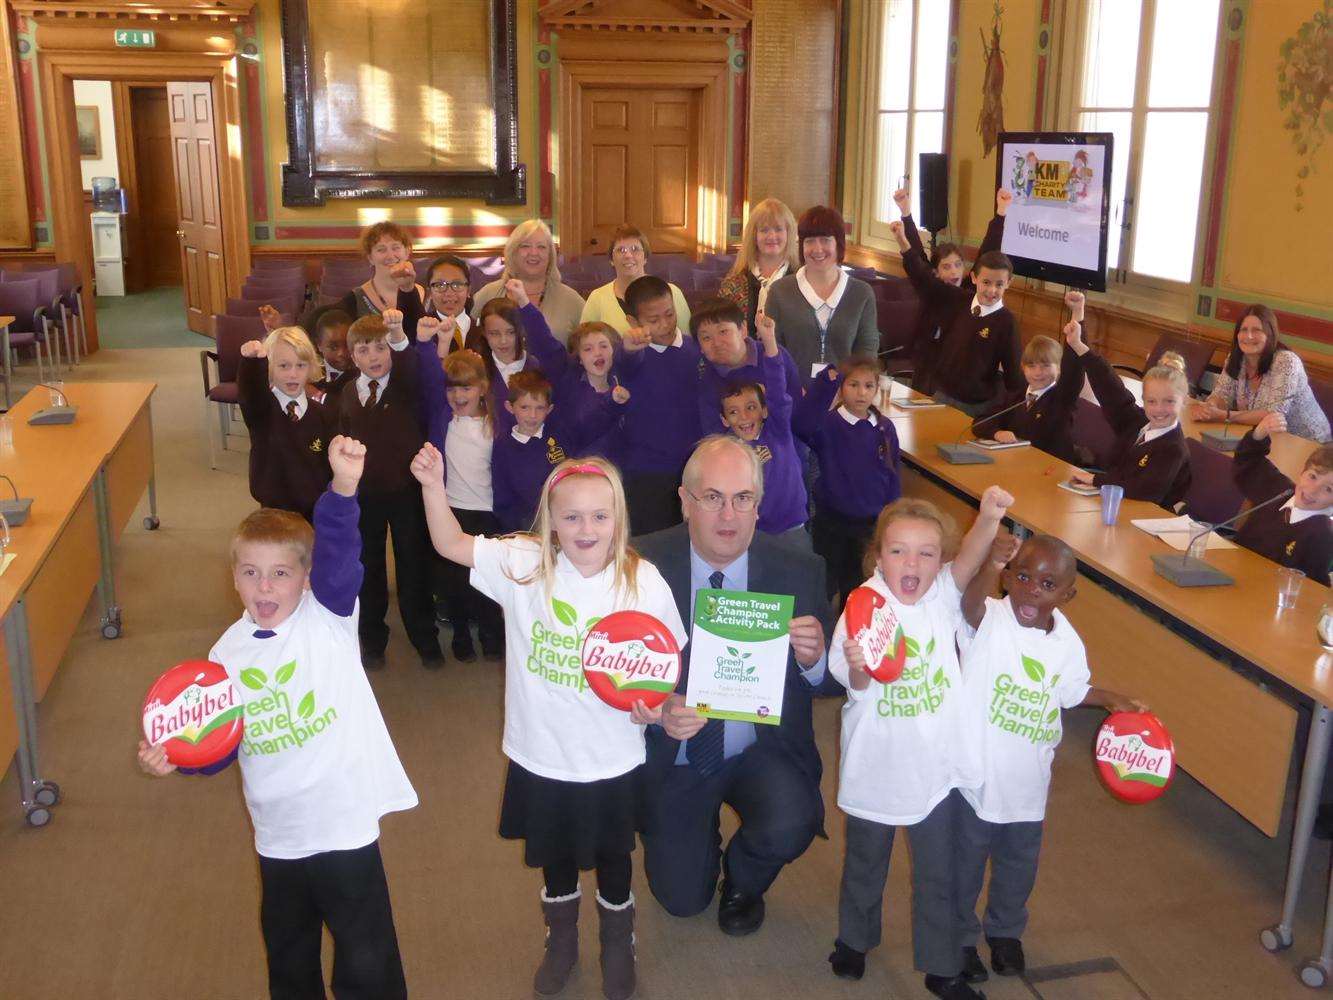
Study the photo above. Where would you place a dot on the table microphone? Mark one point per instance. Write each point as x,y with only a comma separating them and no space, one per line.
1186,571
15,511
969,454
56,413
1222,441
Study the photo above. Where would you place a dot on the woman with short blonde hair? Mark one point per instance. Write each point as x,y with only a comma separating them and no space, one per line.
530,256
768,251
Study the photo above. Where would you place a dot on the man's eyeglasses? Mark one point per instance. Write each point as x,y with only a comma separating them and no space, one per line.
450,286
713,501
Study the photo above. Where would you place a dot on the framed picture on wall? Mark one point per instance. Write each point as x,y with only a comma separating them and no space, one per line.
90,132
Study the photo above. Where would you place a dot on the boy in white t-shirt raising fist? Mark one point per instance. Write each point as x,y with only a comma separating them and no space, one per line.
1023,665
317,765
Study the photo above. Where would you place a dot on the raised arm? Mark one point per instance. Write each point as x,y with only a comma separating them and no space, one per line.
983,585
994,238
549,352
807,416
1257,478
432,387
252,385
774,373
977,542
449,539
335,566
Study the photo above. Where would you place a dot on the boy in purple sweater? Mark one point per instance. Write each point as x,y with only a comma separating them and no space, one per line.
730,357
660,368
538,442
760,414
859,468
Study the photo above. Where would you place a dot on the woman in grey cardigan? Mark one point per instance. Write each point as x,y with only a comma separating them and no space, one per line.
530,257
823,314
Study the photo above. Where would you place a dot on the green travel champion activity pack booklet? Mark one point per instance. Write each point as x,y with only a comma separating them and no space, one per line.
738,655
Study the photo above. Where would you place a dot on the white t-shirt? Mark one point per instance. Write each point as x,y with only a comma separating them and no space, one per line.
903,744
317,764
555,726
1016,679
467,463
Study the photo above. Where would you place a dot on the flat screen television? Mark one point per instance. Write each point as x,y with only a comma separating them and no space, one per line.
1056,226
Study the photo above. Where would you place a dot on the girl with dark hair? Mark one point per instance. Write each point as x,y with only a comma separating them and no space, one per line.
449,299
823,314
1262,377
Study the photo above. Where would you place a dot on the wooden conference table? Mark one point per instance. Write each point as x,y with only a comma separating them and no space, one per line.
1221,666
85,479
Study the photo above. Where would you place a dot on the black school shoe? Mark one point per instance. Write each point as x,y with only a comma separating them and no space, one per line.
974,969
462,647
739,913
848,963
432,659
1006,956
372,660
952,988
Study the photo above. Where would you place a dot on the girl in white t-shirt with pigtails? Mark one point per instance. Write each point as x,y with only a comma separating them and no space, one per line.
905,744
570,791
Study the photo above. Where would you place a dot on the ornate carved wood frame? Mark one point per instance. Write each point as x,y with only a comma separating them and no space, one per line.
302,184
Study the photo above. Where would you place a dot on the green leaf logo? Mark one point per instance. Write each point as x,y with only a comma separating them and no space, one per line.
733,651
307,706
285,672
749,670
913,649
746,656
254,678
1055,679
564,613
1055,714
1034,669
930,646
938,679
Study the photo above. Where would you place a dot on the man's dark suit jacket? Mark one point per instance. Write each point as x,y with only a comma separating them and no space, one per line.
774,568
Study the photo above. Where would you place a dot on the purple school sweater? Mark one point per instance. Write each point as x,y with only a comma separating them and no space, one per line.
518,471
712,379
577,404
784,504
661,423
859,464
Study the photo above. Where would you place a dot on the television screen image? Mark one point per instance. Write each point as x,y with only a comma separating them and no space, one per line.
1056,228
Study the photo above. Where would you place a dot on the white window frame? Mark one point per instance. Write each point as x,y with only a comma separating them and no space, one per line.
1125,287
873,232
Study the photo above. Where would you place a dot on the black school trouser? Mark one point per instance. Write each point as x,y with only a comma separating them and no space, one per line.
779,808
347,892
463,603
842,542
653,501
403,516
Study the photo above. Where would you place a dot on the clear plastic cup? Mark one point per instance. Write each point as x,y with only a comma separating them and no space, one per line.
1288,587
1111,497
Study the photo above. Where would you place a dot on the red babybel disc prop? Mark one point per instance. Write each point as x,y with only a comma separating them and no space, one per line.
1135,756
194,712
872,623
628,656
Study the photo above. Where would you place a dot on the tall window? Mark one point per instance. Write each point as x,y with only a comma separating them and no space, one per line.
1147,77
912,66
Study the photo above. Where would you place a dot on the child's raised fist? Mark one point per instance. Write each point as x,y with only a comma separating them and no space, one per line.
896,228
428,466
995,501
153,760
393,319
254,349
347,460
405,274
620,395
1003,549
1073,331
270,317
1076,301
636,338
768,332
516,292
428,327
1003,199
903,199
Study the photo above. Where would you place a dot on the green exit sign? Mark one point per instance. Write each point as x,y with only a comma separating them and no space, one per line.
134,39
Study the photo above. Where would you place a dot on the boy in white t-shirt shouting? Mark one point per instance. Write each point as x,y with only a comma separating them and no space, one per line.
1024,664
317,764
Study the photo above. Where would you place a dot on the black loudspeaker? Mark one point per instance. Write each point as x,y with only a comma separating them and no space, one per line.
934,192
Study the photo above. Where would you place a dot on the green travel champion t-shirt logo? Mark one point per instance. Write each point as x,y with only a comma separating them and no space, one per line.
556,655
270,725
1024,711
921,688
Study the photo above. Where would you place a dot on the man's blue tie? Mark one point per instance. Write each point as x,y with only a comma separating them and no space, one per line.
705,748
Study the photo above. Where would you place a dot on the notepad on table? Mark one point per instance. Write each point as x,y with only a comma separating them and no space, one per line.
1177,531
1080,489
990,444
917,404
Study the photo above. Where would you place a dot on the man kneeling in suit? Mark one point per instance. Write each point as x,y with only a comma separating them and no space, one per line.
768,774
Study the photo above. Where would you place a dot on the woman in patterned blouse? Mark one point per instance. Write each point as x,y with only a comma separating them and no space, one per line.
1261,377
767,252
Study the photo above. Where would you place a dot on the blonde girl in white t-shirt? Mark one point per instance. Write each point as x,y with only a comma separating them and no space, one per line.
1024,664
570,791
904,747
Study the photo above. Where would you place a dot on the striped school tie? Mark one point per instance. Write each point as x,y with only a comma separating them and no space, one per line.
705,749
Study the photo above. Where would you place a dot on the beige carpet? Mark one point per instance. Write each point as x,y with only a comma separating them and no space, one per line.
144,889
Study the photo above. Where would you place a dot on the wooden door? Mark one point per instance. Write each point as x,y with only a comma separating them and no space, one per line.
156,247
198,203
639,160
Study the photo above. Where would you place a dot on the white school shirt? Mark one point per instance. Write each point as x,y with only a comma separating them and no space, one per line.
1016,679
555,726
509,369
978,309
1151,433
317,764
1295,515
283,399
363,380
467,463
904,745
